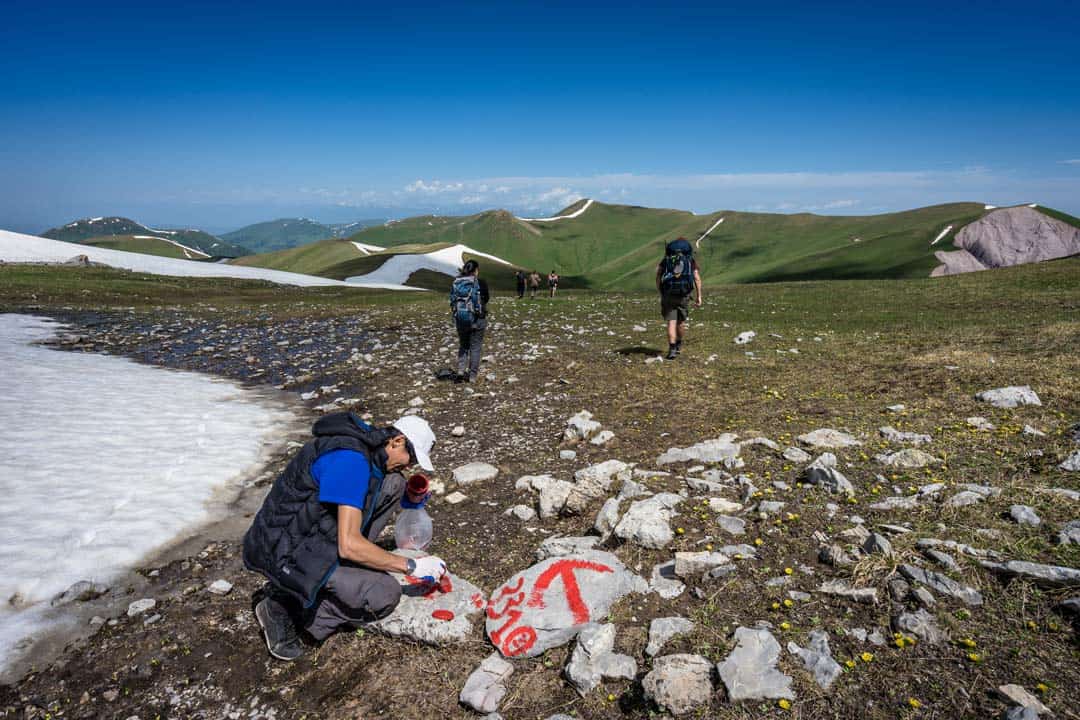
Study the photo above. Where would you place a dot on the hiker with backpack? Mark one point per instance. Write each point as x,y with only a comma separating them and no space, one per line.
534,283
553,282
468,303
519,276
677,278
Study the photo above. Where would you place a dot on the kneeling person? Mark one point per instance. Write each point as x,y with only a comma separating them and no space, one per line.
313,537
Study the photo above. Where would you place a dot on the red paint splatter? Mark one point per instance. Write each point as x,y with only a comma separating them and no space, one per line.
443,615
477,600
565,569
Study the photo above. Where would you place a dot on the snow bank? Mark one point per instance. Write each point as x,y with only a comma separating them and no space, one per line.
102,460
397,269
706,233
942,234
15,247
367,249
574,214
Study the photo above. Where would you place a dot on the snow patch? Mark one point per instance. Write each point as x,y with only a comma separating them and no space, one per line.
397,269
942,234
714,226
103,461
989,207
15,247
367,249
574,214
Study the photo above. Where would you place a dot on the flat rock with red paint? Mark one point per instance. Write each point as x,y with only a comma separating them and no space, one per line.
442,615
548,604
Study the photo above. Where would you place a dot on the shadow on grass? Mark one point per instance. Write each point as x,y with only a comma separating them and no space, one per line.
639,350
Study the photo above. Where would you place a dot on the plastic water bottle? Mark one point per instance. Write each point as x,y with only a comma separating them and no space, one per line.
413,531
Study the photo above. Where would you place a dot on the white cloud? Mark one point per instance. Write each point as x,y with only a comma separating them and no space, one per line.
1075,161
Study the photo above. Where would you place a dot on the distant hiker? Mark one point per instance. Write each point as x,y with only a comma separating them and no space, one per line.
520,277
314,536
468,303
553,283
677,277
534,283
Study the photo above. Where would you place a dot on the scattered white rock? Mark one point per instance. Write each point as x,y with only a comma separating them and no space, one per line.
602,438
841,588
942,584
1070,533
1051,576
796,455
139,607
818,659
455,497
664,582
486,686
594,482
567,454
1071,463
558,546
436,617
594,659
893,435
688,564
521,512
908,458
828,438
750,671
458,431
1010,397
718,450
1024,515
647,522
679,683
980,423
581,426
474,472
220,587
1020,696
661,630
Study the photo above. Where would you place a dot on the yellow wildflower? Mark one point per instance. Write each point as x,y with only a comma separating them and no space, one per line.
914,703
784,704
867,657
788,571
788,602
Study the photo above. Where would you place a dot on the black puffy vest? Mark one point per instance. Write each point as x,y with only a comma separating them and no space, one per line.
293,539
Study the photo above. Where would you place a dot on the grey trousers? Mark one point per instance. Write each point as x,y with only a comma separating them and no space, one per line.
354,594
470,340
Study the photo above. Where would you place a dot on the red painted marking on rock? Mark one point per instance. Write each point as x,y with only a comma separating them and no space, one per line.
565,569
443,615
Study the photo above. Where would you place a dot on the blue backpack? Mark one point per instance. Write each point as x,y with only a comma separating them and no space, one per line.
677,274
465,299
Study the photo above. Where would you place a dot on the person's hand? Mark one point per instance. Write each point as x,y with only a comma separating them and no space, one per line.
697,303
428,569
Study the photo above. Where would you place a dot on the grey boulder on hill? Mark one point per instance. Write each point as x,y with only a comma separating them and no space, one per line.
1005,237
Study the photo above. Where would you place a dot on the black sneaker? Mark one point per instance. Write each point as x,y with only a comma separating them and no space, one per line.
459,378
678,347
672,353
279,631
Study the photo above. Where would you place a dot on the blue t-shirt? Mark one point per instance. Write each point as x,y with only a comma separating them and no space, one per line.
343,477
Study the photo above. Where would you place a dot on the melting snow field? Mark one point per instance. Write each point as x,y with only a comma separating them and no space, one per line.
102,461
15,247
397,270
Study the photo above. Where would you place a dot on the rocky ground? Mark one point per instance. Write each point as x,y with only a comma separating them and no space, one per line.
828,519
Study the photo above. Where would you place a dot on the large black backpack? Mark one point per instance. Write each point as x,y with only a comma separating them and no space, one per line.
677,275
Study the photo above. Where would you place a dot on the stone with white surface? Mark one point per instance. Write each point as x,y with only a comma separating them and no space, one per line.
828,439
1024,515
718,450
679,684
546,605
1050,576
664,582
1010,397
942,584
688,564
647,522
898,436
594,482
474,472
220,587
594,659
486,686
661,630
581,426
558,545
817,658
750,672
435,615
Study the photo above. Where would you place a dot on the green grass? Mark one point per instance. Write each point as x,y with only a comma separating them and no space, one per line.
1058,215
142,244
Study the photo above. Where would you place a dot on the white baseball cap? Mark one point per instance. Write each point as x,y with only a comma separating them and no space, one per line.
420,436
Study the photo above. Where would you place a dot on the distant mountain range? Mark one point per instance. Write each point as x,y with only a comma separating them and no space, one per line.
122,233
287,233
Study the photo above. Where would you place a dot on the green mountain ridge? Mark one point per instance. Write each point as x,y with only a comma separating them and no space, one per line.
617,246
97,229
285,233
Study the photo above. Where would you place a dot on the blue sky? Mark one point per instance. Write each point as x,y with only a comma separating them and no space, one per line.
217,115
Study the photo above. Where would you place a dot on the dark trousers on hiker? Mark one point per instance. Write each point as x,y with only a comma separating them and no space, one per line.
355,595
470,340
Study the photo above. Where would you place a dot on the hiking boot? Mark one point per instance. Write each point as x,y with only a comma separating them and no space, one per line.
460,378
678,347
279,631
672,353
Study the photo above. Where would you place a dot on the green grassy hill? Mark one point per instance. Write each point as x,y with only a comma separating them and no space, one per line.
147,245
97,228
287,233
618,246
